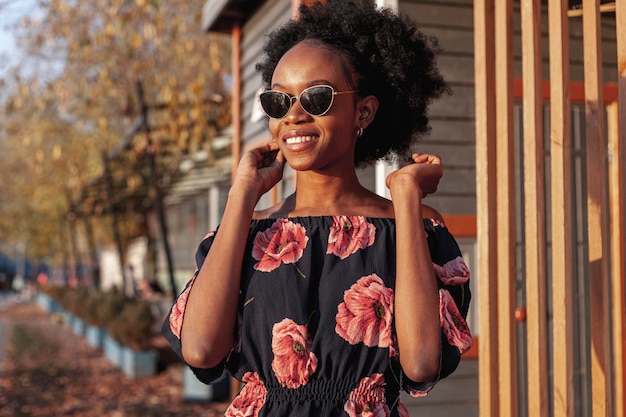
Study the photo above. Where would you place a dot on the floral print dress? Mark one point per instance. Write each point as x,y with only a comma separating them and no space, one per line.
315,332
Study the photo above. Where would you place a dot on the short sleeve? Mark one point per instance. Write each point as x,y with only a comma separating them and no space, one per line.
454,297
174,321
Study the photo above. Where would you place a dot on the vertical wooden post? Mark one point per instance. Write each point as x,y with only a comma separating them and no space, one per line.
484,57
561,209
505,209
617,255
618,218
236,96
534,212
596,212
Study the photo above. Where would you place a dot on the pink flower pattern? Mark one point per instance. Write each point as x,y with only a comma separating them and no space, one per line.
178,310
283,242
454,272
416,393
454,326
437,223
368,398
250,399
366,313
348,234
293,361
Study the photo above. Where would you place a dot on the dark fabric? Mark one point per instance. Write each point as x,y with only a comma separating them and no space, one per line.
305,285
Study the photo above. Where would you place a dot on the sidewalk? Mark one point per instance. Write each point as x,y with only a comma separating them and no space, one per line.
55,373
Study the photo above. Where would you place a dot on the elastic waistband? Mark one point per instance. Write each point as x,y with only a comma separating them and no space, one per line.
321,390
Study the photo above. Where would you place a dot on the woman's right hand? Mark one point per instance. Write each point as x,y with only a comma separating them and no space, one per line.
260,169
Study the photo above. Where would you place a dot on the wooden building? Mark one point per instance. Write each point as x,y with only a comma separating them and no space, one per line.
533,190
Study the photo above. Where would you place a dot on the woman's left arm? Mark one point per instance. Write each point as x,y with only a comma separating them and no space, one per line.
416,294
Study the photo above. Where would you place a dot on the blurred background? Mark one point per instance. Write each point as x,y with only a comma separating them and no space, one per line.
103,105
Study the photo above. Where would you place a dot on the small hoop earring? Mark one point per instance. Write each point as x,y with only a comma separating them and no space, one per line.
359,131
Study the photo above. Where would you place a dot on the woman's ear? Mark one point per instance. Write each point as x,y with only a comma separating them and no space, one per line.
367,110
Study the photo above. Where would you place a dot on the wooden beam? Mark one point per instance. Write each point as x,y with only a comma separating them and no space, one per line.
597,208
505,209
615,173
236,96
534,211
617,184
561,210
484,69
604,8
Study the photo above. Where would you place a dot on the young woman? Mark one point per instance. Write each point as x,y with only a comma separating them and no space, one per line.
336,299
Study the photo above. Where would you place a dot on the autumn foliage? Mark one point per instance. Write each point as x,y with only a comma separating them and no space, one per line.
74,98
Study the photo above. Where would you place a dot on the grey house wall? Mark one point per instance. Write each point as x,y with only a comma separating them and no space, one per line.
452,117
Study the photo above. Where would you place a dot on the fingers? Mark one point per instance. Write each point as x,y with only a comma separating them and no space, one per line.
425,158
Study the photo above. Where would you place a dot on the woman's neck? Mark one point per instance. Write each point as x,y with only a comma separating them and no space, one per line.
321,195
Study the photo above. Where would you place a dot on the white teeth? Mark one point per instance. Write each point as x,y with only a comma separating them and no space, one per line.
298,139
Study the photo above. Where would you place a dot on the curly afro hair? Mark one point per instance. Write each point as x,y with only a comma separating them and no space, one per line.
394,61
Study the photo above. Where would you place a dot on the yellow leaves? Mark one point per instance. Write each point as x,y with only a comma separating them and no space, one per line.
109,29
149,31
133,182
59,6
137,41
166,94
56,152
62,125
195,113
39,156
183,119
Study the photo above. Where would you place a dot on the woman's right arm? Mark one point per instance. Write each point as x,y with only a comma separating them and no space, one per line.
207,333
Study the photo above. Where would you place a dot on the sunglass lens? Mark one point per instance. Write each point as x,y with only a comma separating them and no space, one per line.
275,103
317,100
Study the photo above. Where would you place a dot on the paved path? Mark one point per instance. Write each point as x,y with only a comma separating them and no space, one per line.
8,299
4,338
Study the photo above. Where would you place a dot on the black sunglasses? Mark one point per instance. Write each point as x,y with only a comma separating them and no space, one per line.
316,101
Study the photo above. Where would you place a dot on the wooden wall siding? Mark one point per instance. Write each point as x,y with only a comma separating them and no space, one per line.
254,128
271,15
451,117
534,210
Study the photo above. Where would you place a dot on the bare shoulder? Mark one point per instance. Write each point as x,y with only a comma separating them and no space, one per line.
430,213
282,209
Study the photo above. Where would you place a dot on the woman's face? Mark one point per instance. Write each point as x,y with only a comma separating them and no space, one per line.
321,143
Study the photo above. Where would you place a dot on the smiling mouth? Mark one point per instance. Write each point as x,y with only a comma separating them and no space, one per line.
299,139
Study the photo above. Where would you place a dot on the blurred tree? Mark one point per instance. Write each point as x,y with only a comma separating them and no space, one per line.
76,101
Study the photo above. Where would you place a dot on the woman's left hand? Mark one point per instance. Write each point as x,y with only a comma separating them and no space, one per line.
423,170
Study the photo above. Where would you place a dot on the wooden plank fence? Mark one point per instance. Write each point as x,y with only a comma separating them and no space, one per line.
604,205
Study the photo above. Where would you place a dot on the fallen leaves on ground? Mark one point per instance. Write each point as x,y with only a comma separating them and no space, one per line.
47,370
